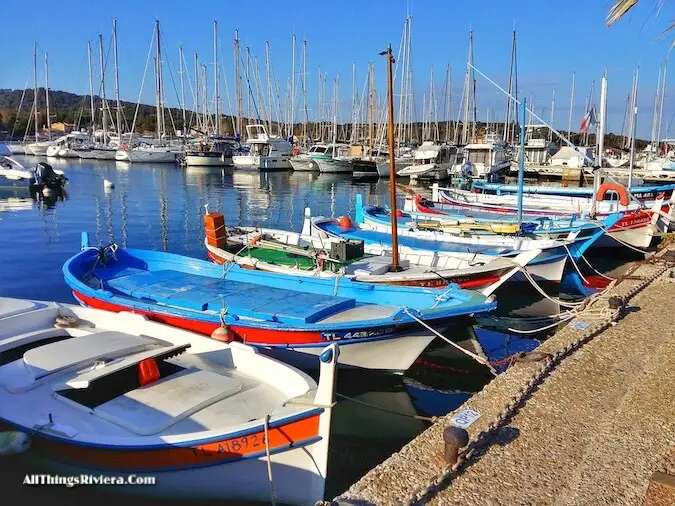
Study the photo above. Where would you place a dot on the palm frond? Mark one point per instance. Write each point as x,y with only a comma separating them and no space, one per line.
618,10
666,31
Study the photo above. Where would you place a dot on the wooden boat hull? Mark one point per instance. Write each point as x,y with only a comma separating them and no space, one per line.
485,278
211,456
307,314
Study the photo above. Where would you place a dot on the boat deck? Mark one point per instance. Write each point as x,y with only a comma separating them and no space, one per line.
201,293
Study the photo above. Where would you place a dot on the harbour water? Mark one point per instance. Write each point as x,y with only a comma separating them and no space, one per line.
160,207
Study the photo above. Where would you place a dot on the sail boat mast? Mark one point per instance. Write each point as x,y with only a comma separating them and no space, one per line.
216,77
49,119
292,101
181,63
237,82
91,91
467,91
508,114
268,78
158,80
371,128
118,114
569,122
304,89
196,91
104,118
35,95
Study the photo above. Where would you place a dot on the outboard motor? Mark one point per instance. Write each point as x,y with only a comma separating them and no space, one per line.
45,176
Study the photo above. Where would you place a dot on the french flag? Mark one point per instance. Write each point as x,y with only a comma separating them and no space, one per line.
588,120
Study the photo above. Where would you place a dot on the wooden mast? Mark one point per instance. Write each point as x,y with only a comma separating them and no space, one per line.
392,168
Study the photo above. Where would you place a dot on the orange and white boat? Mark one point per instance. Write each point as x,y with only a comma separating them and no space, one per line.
113,395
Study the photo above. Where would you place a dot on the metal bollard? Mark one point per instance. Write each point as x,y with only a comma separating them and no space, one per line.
455,438
616,303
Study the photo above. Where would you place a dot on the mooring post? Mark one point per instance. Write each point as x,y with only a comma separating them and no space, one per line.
455,438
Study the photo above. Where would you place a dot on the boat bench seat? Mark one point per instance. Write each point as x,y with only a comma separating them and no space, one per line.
155,407
201,293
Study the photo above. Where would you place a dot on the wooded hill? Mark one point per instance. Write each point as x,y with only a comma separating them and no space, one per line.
71,108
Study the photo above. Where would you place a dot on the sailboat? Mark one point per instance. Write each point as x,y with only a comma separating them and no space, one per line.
39,148
152,150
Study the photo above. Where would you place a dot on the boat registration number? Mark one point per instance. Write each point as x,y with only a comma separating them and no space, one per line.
357,334
240,445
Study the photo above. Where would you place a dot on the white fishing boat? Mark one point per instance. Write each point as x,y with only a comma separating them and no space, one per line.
112,394
480,160
317,253
267,152
431,161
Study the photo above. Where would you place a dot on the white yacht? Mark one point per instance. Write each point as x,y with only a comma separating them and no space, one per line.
146,151
431,161
306,161
482,159
39,148
214,153
336,160
267,152
66,146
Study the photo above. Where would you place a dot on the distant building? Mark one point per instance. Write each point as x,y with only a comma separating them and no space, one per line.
62,127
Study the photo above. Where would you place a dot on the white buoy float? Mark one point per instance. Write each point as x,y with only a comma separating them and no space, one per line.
108,184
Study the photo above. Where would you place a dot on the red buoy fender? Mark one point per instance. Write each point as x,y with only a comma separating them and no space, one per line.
624,200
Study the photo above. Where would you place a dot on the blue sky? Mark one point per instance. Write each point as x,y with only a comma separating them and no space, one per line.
554,38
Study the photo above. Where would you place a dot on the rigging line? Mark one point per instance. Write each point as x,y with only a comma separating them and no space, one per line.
140,93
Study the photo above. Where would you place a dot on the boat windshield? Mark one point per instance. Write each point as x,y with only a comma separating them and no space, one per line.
260,149
479,156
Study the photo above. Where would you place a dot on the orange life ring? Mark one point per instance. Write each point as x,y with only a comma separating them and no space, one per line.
295,151
624,200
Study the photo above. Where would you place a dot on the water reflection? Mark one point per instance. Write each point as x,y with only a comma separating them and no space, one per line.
161,207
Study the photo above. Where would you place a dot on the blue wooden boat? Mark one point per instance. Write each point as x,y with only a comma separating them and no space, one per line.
378,327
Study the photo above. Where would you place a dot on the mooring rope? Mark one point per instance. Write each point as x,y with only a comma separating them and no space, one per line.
273,496
477,358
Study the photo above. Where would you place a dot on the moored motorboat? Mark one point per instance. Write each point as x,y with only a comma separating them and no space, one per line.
431,161
267,152
43,178
291,317
90,392
217,152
